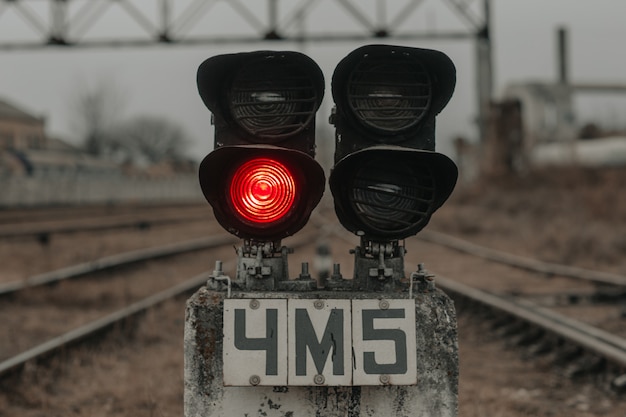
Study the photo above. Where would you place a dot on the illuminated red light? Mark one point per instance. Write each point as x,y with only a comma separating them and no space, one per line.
262,190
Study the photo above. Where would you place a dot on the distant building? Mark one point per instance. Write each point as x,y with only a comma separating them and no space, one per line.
535,124
20,130
26,150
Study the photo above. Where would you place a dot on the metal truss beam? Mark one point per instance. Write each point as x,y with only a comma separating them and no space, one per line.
68,22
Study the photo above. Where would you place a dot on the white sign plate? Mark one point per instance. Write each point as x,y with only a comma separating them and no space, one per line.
315,342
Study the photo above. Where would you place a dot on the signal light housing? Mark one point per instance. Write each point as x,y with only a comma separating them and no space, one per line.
233,181
389,192
388,97
261,179
263,97
387,180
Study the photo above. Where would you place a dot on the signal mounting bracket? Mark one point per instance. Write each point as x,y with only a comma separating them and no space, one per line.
263,266
378,266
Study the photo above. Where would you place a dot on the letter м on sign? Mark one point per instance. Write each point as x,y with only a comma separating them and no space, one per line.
320,338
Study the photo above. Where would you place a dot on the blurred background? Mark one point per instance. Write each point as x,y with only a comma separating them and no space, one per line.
99,105
100,78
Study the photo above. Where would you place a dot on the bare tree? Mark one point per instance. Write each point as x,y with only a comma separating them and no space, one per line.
96,108
147,139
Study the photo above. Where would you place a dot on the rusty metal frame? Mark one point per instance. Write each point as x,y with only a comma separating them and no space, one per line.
69,22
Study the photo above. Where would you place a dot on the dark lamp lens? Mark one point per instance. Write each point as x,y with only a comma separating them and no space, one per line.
390,96
272,99
391,199
262,190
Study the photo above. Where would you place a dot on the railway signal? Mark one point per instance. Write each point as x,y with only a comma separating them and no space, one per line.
261,178
388,180
282,339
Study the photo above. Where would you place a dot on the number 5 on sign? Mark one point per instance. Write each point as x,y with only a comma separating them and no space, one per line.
383,334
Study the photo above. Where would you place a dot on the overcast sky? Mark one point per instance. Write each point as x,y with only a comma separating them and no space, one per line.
161,80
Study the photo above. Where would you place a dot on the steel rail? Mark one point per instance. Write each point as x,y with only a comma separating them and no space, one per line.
88,225
44,214
533,265
90,329
112,261
86,331
610,347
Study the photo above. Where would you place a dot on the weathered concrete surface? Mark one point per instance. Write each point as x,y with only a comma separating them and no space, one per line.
437,368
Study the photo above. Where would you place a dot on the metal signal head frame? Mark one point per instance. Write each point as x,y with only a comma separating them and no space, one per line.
261,178
263,97
387,180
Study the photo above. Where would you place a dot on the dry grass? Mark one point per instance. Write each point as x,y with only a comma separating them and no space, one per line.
567,215
136,371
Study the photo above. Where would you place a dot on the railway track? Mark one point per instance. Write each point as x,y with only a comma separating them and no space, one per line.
539,312
92,329
26,261
88,331
534,315
114,261
41,309
589,296
547,268
545,330
509,299
139,218
34,315
23,215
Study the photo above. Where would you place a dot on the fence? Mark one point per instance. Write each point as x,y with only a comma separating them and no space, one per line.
25,191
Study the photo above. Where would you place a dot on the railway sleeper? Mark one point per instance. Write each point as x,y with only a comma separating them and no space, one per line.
464,303
44,238
480,311
609,294
495,317
514,327
527,336
566,353
588,363
560,299
619,383
542,346
499,320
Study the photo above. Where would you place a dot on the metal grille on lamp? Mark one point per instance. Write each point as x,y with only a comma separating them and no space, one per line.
392,199
272,110
390,96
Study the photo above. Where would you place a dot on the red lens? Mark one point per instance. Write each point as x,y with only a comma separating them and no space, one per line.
262,190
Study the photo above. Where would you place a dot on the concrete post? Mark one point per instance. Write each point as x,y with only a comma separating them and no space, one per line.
435,393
